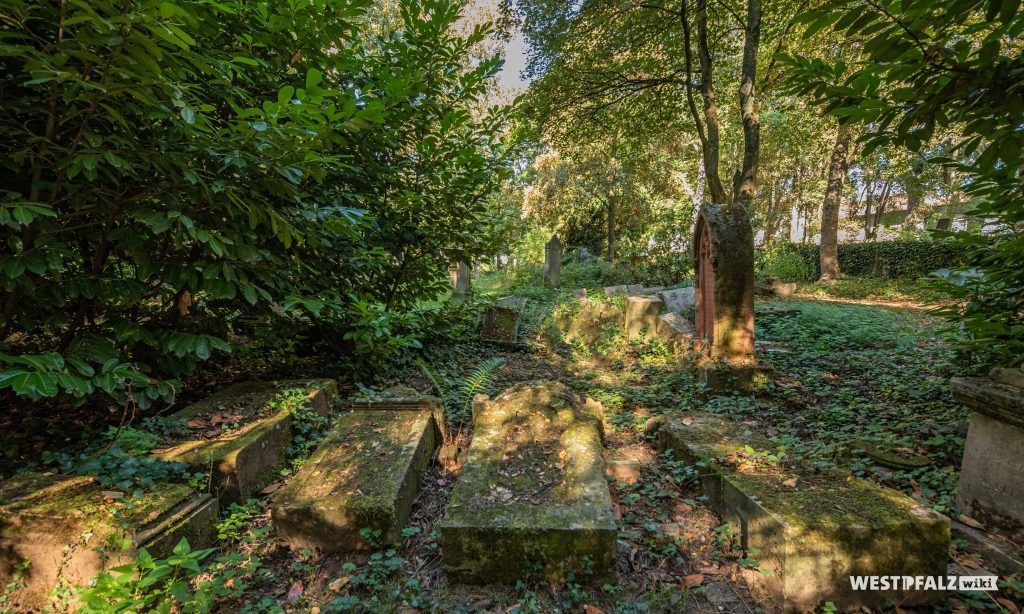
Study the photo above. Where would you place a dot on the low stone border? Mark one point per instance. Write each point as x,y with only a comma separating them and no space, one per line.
812,530
61,525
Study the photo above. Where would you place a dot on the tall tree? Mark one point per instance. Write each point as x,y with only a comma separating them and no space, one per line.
830,205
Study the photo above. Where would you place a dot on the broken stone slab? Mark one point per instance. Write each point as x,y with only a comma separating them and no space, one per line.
677,300
532,498
244,461
653,289
405,398
634,289
675,331
365,475
813,533
613,290
62,525
514,302
991,485
998,555
642,316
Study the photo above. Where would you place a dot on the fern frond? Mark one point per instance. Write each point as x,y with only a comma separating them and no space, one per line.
436,380
478,381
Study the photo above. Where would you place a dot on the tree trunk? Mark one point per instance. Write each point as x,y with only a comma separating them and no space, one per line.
610,207
709,139
748,104
830,205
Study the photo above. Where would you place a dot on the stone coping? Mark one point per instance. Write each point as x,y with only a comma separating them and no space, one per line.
993,398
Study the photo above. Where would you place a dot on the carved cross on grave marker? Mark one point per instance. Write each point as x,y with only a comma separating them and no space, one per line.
724,261
553,261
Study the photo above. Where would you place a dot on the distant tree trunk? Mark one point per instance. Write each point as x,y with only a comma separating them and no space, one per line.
610,208
830,205
869,199
746,184
914,189
880,211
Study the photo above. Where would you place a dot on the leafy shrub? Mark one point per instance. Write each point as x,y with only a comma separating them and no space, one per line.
884,259
151,207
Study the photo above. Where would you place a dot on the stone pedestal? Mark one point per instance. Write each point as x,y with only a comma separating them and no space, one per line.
553,261
991,485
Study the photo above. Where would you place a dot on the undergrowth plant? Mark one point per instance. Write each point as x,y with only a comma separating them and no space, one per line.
457,395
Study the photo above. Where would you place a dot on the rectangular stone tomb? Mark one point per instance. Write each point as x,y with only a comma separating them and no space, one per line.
501,324
61,526
811,531
679,299
532,499
365,475
642,316
675,330
241,462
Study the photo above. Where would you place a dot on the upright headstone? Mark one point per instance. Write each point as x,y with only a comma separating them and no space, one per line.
553,261
724,260
460,281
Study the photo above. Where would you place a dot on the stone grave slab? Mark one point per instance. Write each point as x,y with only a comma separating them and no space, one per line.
679,299
642,316
653,289
634,289
365,475
991,485
811,534
242,461
501,324
515,302
532,497
613,290
675,330
588,321
58,523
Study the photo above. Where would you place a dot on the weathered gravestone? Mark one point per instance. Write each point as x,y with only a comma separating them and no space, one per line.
614,290
501,324
244,460
460,281
553,261
642,316
64,527
724,261
991,487
532,497
365,475
811,530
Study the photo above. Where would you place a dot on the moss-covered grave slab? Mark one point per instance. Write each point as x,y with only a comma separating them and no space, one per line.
243,460
532,499
365,475
812,531
68,529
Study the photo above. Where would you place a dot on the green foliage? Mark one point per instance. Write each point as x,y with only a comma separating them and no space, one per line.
873,288
933,66
884,259
172,176
457,395
234,525
116,468
165,585
134,441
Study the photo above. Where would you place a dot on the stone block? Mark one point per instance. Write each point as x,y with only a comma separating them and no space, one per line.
61,525
679,299
242,462
653,289
675,330
514,302
501,324
365,475
813,533
722,377
588,321
613,290
634,289
532,498
642,316
581,293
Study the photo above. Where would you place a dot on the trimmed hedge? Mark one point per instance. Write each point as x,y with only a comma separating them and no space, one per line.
884,259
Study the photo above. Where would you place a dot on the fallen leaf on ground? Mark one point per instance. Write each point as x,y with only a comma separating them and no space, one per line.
112,494
592,609
294,592
1009,605
692,580
196,423
339,584
687,421
967,520
790,482
273,487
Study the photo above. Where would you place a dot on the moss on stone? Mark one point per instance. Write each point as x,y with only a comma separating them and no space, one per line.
493,532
